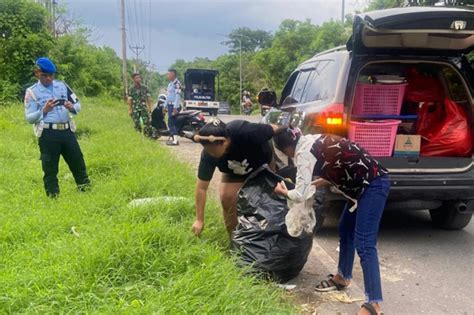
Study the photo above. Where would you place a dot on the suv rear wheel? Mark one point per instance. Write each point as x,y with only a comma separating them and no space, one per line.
449,217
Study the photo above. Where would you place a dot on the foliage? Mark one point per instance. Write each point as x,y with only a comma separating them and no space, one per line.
23,38
251,40
119,260
90,70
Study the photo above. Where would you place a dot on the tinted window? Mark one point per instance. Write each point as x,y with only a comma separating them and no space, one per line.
288,86
322,84
300,84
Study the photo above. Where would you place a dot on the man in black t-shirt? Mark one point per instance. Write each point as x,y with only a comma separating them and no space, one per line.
236,149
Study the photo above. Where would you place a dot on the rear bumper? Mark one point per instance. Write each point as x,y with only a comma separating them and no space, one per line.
444,186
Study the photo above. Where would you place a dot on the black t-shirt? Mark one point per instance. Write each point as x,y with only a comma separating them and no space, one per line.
249,149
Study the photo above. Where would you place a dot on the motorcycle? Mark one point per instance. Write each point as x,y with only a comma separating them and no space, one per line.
187,122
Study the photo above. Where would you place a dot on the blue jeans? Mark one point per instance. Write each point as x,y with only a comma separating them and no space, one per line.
172,121
358,230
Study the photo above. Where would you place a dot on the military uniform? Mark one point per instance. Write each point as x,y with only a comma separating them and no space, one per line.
55,130
139,97
173,99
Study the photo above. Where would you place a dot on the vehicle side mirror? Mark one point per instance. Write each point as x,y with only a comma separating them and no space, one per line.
267,98
289,100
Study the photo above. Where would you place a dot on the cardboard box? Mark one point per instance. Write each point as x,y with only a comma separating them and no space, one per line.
407,145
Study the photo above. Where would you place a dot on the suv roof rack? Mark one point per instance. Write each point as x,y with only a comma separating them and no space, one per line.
338,48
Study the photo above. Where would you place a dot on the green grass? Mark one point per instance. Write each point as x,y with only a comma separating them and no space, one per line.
125,260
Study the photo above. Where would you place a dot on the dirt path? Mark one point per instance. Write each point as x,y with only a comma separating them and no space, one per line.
319,264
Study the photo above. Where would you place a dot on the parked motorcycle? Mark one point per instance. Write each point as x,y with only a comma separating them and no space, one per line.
187,122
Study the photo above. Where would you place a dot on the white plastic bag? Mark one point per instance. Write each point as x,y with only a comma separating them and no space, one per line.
300,218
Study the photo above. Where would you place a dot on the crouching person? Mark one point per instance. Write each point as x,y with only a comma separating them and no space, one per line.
236,149
363,181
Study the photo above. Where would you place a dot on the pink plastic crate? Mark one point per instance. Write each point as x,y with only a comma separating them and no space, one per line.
376,137
378,99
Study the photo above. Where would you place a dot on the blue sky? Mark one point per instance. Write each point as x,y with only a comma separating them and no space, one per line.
189,29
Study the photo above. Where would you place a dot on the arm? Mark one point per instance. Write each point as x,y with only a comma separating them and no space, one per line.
200,197
304,176
33,111
177,99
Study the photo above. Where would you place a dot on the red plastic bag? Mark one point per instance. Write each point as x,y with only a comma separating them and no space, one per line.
423,88
445,132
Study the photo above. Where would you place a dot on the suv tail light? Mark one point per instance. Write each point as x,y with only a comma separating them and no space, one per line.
333,115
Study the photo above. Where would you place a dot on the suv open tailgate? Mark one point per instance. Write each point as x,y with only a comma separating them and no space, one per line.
433,30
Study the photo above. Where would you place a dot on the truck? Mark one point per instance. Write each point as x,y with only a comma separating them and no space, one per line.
200,90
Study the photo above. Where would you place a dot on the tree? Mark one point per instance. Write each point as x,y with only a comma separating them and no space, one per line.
23,38
252,40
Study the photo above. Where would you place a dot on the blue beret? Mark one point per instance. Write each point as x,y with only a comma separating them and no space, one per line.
46,65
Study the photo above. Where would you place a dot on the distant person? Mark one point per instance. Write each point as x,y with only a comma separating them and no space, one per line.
158,116
246,103
173,99
139,105
50,105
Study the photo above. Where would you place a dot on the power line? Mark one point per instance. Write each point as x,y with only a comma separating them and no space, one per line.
142,19
149,31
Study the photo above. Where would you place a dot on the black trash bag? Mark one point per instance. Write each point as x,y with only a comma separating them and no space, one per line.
260,239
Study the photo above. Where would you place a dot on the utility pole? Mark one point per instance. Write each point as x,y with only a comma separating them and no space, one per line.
124,50
343,9
137,50
53,17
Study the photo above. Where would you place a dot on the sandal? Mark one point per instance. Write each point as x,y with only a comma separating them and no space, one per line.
371,309
330,285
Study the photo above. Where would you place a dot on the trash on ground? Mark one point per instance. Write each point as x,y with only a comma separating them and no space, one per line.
287,287
156,200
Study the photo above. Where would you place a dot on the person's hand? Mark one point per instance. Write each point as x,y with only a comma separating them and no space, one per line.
320,182
49,105
198,226
175,111
69,105
281,189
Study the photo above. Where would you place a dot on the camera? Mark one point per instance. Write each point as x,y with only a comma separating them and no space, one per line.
60,102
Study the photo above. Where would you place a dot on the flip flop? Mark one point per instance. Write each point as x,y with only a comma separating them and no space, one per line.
330,285
371,309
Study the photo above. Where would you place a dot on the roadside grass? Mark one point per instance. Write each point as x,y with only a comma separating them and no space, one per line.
118,259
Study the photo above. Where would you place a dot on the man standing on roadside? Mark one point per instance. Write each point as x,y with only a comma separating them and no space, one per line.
139,105
50,105
173,99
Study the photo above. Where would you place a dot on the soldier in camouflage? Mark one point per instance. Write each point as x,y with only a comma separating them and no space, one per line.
139,105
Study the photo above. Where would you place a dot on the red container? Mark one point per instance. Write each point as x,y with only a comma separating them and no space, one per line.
378,99
377,137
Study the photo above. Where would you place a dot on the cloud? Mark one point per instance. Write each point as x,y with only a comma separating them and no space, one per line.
188,29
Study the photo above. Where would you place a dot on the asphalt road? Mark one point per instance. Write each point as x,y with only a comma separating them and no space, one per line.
424,270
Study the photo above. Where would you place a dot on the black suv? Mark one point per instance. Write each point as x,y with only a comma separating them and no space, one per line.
319,97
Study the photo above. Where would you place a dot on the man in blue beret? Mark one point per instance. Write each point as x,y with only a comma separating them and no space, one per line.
50,106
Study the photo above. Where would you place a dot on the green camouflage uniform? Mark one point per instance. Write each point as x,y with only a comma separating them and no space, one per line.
139,96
